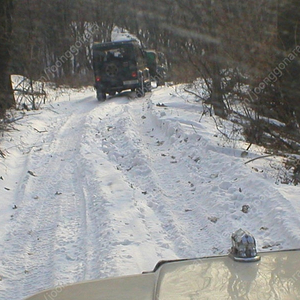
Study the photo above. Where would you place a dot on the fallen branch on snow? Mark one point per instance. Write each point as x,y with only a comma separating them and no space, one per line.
253,159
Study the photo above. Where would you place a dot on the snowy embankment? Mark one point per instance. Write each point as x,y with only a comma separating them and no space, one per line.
90,190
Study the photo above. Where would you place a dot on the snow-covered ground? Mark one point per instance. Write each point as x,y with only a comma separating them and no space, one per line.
94,189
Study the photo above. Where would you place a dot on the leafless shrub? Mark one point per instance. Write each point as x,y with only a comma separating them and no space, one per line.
29,94
292,164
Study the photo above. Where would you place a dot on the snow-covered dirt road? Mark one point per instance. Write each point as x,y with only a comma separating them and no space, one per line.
91,190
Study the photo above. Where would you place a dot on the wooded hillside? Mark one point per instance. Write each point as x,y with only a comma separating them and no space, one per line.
243,51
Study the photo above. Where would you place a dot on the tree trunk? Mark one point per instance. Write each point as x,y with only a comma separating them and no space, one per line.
6,93
216,62
289,58
216,96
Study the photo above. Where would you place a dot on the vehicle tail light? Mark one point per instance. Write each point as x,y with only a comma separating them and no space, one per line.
98,78
134,74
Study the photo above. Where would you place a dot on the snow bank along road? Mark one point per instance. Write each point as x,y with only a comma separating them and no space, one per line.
92,190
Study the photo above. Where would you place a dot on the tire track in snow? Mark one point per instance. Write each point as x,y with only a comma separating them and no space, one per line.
168,185
126,147
209,221
185,194
135,243
105,203
46,243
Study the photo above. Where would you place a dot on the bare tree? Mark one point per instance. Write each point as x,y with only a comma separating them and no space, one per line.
6,94
288,60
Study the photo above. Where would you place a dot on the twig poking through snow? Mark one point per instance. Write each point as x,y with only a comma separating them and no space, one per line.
2,154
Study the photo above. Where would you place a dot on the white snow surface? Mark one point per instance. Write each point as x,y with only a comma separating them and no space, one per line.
94,189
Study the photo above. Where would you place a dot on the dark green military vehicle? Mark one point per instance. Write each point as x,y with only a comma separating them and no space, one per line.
157,65
120,66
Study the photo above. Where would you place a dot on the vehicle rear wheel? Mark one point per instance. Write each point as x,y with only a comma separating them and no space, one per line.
148,87
101,96
140,91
